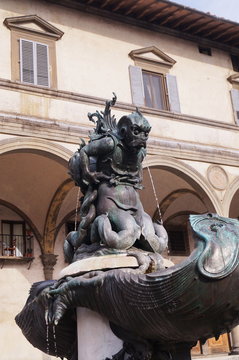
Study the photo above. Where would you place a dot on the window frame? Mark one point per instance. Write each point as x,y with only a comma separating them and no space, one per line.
164,89
234,92
11,235
155,61
16,37
33,28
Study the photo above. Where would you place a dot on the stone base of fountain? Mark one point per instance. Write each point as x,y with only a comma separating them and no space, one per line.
99,263
96,341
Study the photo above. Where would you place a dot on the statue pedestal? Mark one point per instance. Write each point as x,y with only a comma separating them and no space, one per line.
96,341
235,341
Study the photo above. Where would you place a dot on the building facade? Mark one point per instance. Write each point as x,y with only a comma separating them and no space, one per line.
61,60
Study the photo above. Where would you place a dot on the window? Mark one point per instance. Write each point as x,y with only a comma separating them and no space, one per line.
154,90
234,92
235,62
33,50
205,50
235,104
178,242
151,83
15,240
34,64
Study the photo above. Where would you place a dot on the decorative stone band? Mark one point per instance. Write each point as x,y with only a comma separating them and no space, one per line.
70,132
99,263
102,263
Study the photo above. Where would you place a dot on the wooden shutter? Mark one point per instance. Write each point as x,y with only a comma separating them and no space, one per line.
27,61
137,87
34,63
235,103
173,93
42,76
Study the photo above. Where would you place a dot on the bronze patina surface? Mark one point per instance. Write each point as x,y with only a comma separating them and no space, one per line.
159,313
109,172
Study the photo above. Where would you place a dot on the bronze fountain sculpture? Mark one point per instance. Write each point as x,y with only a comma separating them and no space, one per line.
159,313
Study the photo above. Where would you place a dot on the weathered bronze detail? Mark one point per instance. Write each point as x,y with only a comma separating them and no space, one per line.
109,172
159,313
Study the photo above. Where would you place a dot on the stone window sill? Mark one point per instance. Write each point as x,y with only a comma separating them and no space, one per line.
16,259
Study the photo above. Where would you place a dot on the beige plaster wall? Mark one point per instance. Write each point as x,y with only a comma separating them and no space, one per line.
15,284
92,58
76,113
16,279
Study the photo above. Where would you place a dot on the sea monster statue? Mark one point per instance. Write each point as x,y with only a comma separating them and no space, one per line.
158,312
109,172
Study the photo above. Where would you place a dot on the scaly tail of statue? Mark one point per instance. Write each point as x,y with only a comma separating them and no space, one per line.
87,213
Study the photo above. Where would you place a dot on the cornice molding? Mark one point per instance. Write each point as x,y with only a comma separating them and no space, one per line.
161,57
58,131
143,24
234,79
20,23
191,151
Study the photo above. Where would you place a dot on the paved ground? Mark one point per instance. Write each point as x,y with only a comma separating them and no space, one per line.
216,357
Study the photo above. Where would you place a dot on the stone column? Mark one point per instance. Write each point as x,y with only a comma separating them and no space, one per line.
48,261
235,341
96,341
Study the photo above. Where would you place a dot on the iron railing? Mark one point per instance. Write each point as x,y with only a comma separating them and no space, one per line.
16,245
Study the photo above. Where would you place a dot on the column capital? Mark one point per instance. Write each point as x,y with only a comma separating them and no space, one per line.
48,261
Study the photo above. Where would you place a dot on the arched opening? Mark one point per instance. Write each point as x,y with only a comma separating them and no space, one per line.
29,180
234,207
181,191
179,195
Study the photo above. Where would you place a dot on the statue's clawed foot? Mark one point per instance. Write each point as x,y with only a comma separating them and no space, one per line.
119,356
128,354
132,352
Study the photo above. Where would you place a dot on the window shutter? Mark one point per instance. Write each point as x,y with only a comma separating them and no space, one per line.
235,103
42,64
173,93
137,87
26,61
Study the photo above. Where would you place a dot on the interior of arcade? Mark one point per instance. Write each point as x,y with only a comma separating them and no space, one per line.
38,204
38,207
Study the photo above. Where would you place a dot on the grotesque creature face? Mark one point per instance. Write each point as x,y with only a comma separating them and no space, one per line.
134,130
